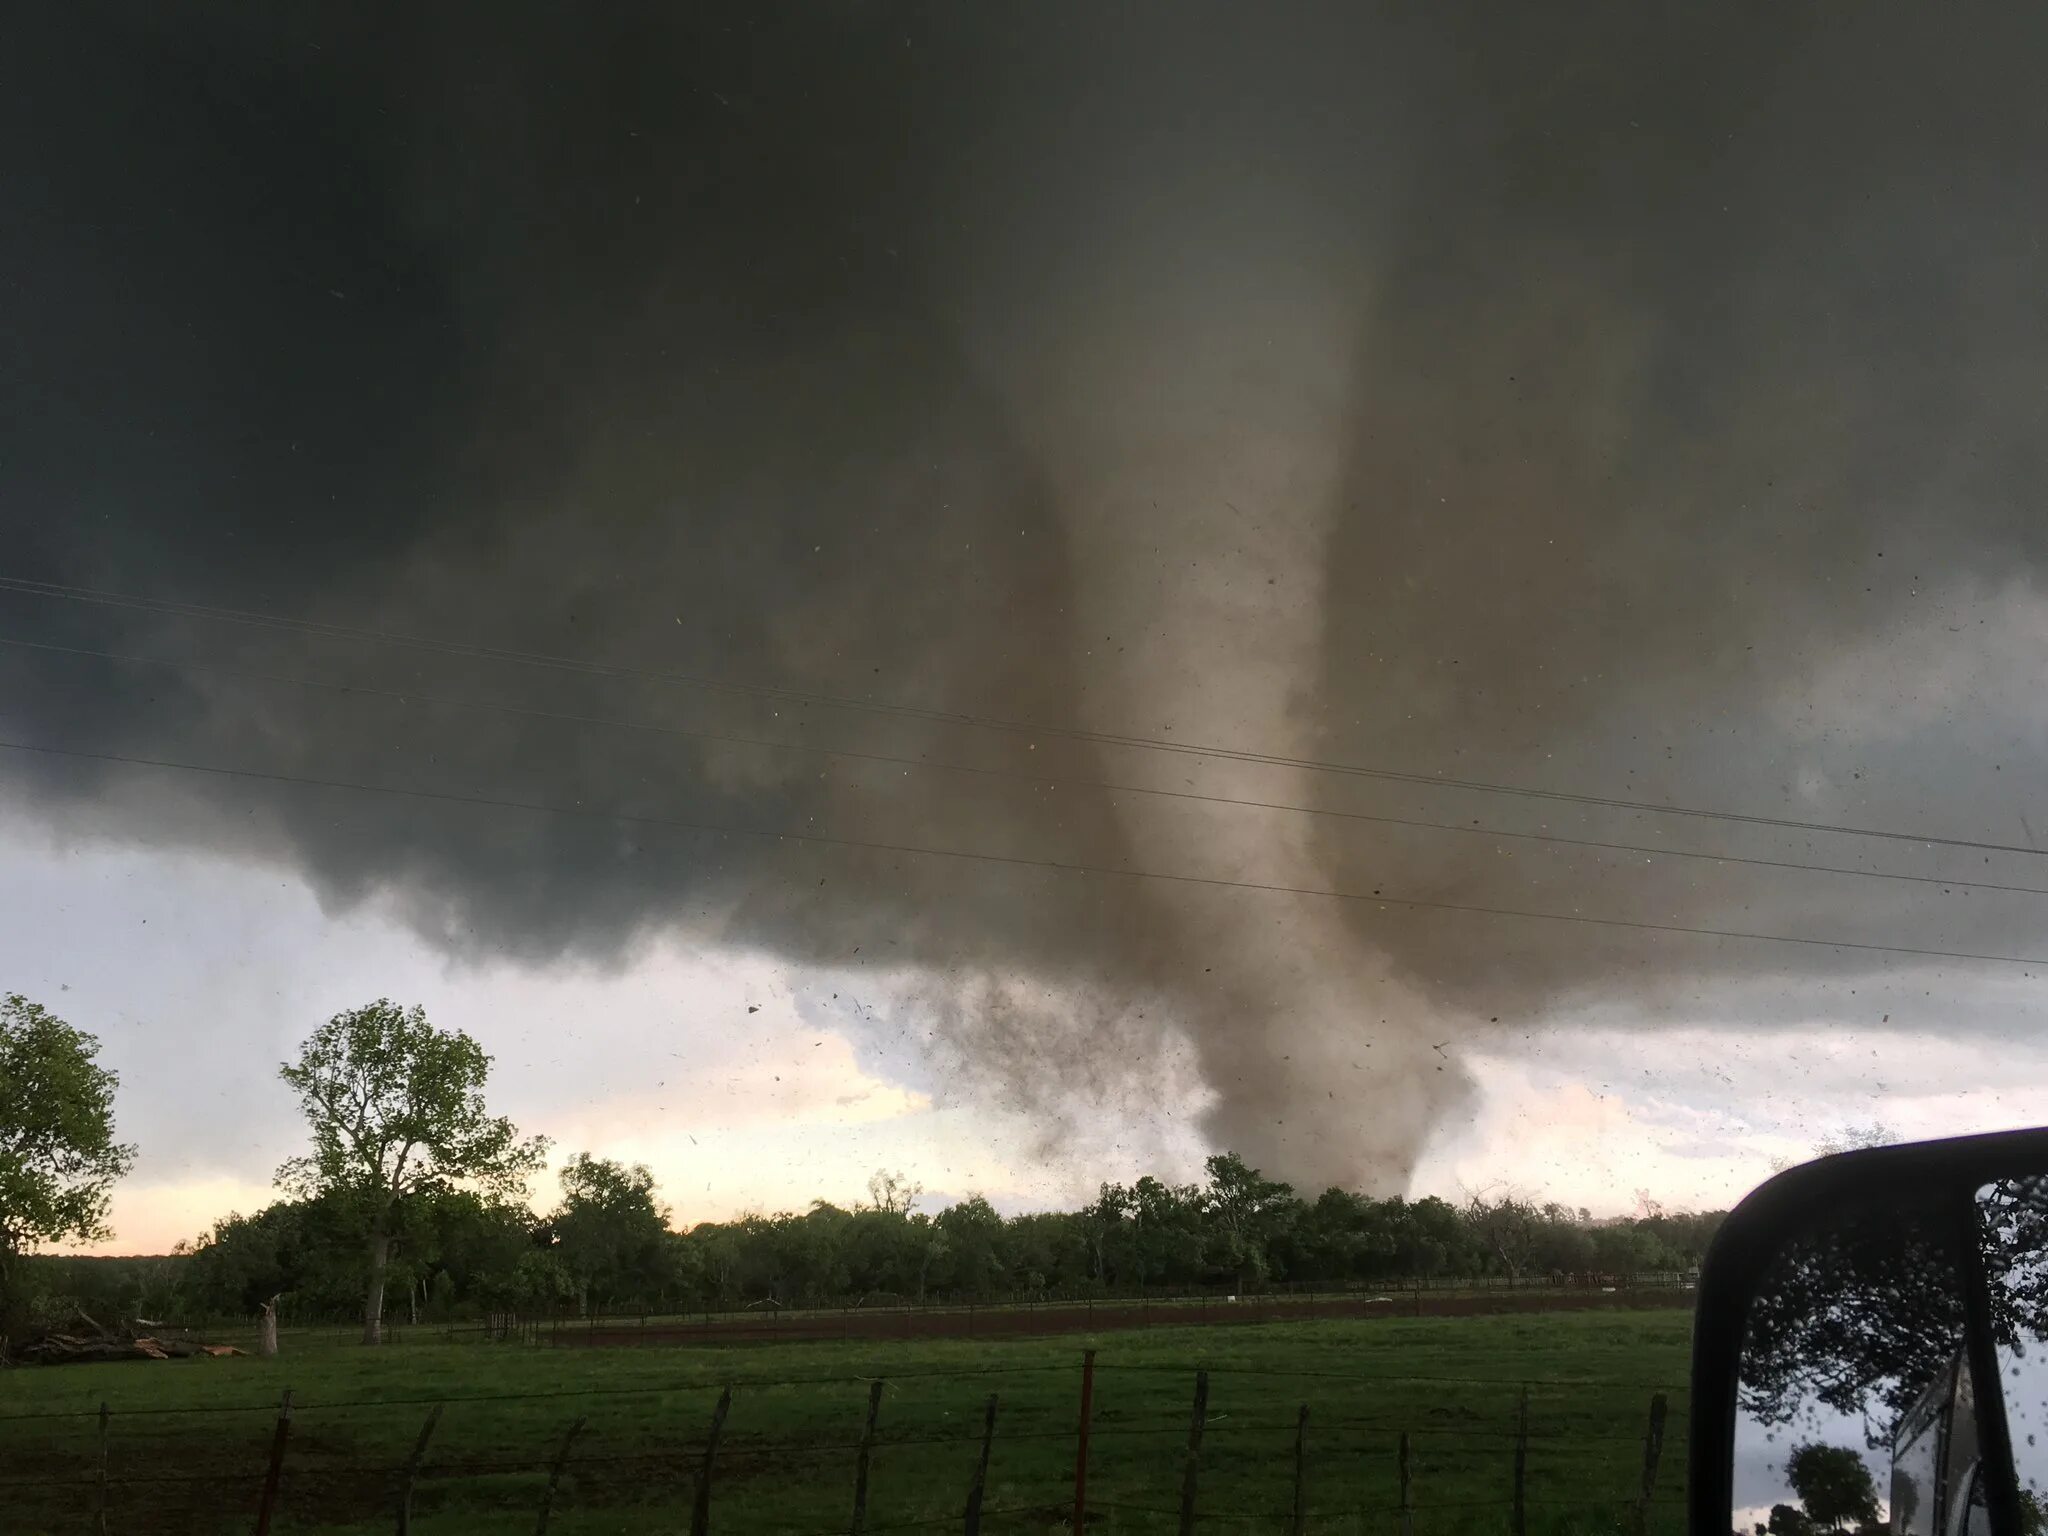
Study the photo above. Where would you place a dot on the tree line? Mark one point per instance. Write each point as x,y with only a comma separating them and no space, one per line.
411,1201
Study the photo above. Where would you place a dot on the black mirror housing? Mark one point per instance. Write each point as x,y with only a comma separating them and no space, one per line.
1899,1282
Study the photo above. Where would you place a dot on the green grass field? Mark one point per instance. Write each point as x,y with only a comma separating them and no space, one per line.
787,1460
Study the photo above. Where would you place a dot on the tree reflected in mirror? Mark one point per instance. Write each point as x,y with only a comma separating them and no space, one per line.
2013,1227
1853,1345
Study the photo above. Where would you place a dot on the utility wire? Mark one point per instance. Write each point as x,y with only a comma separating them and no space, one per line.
321,628
522,711
1023,862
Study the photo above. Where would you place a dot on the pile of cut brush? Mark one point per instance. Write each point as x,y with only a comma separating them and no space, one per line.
82,1341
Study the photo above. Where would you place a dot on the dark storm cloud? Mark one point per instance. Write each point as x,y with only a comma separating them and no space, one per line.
1683,356
1709,354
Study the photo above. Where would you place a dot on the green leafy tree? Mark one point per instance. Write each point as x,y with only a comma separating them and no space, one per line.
1047,1249
1167,1231
931,1244
811,1252
1834,1486
715,1250
883,1251
1246,1211
469,1252
58,1156
1432,1238
1508,1226
1112,1238
609,1231
243,1261
396,1110
1563,1245
974,1237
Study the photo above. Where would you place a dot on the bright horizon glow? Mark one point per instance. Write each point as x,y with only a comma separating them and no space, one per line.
662,1062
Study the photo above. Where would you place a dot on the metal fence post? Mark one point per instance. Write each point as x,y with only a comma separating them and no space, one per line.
1196,1420
1300,1521
860,1470
547,1496
274,1474
980,1483
102,1500
1407,1490
412,1470
1081,1440
1653,1449
700,1505
1520,1522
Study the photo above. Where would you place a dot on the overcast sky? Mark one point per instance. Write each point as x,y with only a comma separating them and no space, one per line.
1433,597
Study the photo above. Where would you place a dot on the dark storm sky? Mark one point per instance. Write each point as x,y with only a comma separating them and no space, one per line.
1644,403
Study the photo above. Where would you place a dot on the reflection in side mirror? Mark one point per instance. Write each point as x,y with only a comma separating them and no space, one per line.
2012,1234
1936,1469
1854,1337
1872,1347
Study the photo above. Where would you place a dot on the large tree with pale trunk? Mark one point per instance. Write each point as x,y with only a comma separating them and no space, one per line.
58,1156
396,1108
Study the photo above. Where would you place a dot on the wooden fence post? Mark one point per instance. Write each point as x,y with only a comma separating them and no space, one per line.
1653,1450
980,1483
1081,1440
547,1494
1196,1420
860,1469
1407,1490
1300,1522
1520,1525
275,1472
700,1505
103,1471
412,1470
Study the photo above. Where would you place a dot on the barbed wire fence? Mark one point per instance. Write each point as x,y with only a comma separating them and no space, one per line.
694,1470
1042,1309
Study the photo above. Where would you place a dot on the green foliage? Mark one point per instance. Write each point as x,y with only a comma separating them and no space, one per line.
1834,1487
396,1106
1511,1229
396,1110
58,1156
610,1234
1246,1213
607,1246
454,1253
974,1258
55,1285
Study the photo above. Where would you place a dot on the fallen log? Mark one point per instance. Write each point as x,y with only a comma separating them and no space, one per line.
52,1347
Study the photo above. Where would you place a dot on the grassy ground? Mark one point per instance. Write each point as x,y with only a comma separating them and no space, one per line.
787,1460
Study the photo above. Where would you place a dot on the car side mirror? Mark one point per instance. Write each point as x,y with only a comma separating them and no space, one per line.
1870,1351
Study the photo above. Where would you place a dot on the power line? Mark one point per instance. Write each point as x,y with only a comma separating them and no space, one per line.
411,696
1023,862
35,588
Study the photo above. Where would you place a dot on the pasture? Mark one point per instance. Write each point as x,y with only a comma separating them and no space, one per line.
188,1442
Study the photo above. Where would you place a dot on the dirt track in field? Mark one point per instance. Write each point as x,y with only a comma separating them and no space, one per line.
1080,1317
